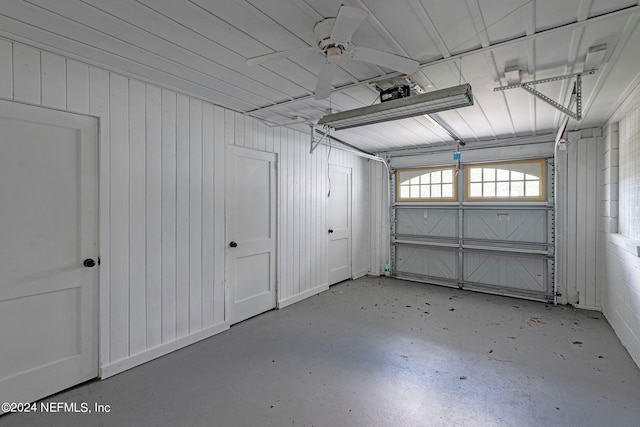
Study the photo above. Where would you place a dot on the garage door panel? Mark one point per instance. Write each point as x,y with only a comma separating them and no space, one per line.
428,262
428,222
506,224
481,241
508,271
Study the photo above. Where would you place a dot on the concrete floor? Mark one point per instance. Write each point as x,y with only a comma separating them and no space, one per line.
380,352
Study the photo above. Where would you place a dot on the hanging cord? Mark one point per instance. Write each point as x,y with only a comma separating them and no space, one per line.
460,75
458,160
328,174
328,134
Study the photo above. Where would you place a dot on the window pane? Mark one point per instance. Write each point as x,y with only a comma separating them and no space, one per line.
447,190
517,188
502,189
423,185
475,190
533,189
520,180
489,189
502,174
475,174
488,174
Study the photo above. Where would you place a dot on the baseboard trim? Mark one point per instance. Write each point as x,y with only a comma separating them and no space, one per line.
360,274
122,365
301,296
587,307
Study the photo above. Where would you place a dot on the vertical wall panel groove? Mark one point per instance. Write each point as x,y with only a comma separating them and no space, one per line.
169,204
119,217
137,218
297,197
219,148
182,216
208,215
154,215
195,216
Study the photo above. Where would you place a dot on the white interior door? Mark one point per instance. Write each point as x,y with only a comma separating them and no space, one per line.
48,228
339,222
251,231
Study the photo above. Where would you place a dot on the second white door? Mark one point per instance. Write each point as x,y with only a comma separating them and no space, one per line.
251,232
339,222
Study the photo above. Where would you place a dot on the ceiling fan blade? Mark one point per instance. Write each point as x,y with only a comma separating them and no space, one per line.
387,60
325,78
283,54
348,19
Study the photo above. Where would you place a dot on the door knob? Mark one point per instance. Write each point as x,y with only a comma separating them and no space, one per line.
330,230
89,263
233,244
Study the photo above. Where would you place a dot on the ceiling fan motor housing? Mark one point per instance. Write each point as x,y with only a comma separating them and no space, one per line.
322,31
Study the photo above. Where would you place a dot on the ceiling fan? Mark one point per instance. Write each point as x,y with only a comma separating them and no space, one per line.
333,36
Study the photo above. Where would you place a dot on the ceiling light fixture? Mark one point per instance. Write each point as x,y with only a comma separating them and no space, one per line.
402,108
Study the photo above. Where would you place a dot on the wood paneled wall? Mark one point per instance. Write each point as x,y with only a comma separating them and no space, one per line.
162,185
582,218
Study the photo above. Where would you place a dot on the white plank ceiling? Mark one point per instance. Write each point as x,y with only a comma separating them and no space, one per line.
199,47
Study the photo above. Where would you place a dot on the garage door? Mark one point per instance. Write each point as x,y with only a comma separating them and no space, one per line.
485,227
48,251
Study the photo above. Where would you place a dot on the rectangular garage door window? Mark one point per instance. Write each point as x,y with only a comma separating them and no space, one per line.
512,181
426,184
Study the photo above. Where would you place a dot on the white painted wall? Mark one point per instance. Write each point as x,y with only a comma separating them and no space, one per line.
582,288
162,184
379,217
620,242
